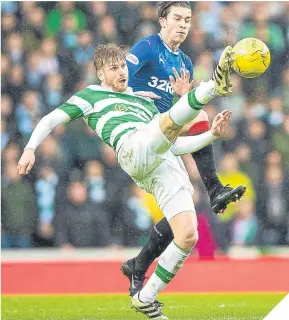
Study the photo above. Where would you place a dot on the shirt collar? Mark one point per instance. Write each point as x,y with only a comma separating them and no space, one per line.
173,52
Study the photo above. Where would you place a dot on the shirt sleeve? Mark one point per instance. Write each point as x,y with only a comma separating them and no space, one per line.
73,108
76,107
140,54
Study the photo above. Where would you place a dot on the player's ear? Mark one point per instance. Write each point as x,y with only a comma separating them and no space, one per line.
162,22
100,75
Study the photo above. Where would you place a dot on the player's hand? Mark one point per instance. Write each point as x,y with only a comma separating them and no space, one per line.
26,162
147,94
220,123
181,84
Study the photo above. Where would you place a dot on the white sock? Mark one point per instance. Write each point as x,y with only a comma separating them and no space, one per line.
190,104
170,262
205,91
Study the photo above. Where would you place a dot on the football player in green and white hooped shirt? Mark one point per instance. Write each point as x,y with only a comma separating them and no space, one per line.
147,146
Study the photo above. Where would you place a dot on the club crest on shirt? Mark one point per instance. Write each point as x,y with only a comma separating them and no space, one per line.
132,58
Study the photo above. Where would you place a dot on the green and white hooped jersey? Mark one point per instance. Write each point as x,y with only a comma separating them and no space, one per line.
110,114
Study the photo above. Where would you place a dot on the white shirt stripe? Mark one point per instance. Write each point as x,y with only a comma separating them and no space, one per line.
81,103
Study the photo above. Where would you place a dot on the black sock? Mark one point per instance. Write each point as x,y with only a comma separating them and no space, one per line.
205,162
160,237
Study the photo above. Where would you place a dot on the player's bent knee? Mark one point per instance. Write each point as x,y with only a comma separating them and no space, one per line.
188,239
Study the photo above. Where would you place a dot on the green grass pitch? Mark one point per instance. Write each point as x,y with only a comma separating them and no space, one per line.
117,307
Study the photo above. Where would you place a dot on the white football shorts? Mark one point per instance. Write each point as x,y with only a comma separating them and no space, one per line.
145,155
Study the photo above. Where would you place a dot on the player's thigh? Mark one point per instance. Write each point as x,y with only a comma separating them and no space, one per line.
202,116
136,156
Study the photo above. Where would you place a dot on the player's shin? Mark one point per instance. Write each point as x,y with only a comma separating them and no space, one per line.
170,263
190,104
160,237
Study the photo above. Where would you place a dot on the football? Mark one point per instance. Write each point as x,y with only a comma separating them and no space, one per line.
251,57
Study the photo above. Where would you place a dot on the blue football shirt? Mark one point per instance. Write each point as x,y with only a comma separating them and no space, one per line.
150,63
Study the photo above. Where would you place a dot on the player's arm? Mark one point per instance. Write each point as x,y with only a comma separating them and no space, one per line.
74,108
184,145
140,55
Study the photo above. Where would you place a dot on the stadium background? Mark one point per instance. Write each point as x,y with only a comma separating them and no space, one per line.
76,195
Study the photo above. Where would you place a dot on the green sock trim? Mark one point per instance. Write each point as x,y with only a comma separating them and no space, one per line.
186,252
163,274
193,102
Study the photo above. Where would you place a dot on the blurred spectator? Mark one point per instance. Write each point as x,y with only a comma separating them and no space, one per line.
79,223
84,51
11,154
28,113
273,206
19,212
281,141
33,29
108,31
16,84
136,219
8,25
5,137
282,91
67,37
276,115
49,61
15,48
117,187
52,156
53,91
204,67
231,174
33,74
128,17
5,69
209,17
236,101
96,10
244,227
247,165
258,141
54,17
45,187
94,178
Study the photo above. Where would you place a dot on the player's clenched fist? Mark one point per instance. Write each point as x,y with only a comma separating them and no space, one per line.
26,162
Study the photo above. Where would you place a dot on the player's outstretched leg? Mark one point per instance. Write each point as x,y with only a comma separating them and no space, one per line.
220,196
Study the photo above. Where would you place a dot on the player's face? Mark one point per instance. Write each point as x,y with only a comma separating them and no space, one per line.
177,24
115,75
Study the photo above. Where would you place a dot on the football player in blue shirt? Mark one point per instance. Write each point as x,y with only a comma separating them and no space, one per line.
157,66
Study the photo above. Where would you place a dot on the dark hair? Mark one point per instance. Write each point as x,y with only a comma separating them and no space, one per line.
107,53
164,7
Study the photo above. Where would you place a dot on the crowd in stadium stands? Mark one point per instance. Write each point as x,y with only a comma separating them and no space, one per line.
77,195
